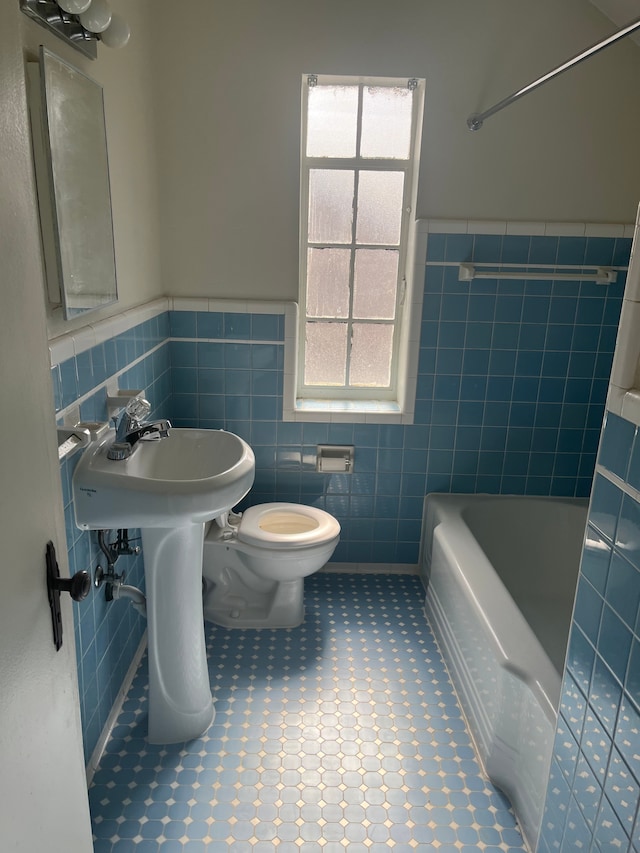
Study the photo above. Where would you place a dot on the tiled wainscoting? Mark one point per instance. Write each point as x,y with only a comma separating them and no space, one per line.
106,634
594,790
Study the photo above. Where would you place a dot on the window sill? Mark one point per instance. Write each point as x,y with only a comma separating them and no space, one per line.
348,411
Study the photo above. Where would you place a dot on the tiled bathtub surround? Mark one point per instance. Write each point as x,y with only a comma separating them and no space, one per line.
514,373
594,790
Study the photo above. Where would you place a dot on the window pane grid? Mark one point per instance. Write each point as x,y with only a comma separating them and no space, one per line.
339,364
375,248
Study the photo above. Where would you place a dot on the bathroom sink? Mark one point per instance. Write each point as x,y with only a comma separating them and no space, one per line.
169,488
189,477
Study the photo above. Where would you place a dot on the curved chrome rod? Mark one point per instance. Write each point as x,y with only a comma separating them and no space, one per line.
475,121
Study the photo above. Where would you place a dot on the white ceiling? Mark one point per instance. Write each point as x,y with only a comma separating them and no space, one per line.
621,12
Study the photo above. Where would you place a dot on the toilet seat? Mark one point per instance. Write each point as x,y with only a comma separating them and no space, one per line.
272,525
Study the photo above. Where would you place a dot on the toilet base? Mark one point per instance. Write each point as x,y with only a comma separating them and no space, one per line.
231,603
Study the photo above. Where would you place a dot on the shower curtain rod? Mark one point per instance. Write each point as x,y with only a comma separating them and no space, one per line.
475,121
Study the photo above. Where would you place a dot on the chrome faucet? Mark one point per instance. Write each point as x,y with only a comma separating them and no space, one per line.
132,428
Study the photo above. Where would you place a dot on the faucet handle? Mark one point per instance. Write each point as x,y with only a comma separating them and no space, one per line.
138,408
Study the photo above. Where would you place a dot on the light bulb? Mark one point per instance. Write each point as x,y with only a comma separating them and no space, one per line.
74,7
117,33
97,17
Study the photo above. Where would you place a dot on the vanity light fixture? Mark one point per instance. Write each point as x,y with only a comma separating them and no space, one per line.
81,23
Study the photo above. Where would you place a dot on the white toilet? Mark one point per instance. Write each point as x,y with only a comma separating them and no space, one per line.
254,563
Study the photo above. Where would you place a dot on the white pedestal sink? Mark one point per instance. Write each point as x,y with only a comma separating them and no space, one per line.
169,488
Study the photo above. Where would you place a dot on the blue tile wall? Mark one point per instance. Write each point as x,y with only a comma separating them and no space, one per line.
510,398
594,787
514,373
107,634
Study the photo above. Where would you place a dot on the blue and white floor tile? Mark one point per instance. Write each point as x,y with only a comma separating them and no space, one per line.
341,735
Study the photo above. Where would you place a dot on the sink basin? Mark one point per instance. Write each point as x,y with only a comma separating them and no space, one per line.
189,477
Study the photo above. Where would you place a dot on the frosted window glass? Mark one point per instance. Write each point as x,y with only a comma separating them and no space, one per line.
332,121
326,353
386,122
330,206
380,207
375,284
371,349
328,282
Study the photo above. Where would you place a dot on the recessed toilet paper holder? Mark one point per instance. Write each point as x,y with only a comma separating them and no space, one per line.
335,458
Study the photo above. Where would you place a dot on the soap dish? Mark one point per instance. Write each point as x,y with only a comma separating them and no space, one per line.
96,429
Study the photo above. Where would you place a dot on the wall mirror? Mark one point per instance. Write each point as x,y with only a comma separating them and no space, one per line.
72,176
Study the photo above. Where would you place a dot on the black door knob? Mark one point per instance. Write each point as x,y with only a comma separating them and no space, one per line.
78,586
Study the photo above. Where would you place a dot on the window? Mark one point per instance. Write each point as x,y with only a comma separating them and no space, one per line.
360,141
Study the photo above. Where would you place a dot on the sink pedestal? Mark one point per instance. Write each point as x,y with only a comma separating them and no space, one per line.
180,703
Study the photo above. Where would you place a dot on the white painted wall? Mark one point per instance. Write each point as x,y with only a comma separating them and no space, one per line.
228,105
127,77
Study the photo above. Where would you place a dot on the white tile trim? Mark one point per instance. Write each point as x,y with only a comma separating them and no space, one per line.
615,398
487,227
180,303
594,230
245,306
82,339
527,229
624,393
565,229
631,406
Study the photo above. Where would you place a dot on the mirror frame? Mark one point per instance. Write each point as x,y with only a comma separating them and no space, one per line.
72,178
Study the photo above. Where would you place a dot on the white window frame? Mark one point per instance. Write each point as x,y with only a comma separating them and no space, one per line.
392,400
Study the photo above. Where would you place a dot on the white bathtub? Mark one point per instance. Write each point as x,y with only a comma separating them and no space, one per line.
501,574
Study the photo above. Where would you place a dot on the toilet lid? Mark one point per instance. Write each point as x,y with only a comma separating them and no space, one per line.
273,525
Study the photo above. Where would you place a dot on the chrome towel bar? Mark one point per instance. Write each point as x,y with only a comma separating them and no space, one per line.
602,275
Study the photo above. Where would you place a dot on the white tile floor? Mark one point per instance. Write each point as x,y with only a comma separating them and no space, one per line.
341,735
